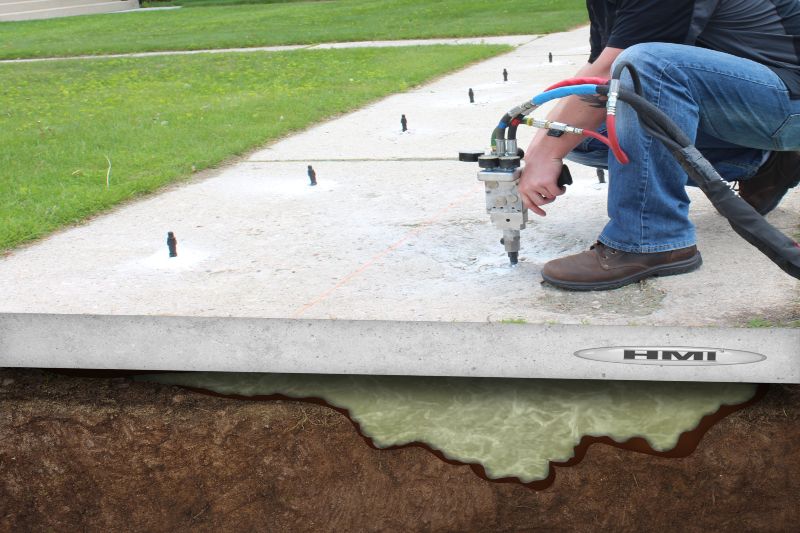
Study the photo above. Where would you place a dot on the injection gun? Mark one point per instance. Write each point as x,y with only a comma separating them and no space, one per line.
499,171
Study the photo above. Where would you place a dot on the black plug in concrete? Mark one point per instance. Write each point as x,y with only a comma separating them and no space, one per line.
172,244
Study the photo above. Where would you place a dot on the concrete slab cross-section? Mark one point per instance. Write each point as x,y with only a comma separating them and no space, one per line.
396,230
400,348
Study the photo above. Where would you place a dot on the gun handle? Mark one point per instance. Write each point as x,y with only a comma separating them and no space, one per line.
565,178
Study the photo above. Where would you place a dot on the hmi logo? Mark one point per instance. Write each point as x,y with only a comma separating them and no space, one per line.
670,355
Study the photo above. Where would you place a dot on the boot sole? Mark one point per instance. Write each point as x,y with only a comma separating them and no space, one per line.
777,200
670,269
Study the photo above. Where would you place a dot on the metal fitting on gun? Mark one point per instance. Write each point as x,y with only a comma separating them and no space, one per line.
551,125
522,109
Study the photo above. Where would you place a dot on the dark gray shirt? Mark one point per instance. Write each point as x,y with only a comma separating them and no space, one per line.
765,31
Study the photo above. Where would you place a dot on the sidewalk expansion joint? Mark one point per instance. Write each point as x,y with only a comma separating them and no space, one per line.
356,160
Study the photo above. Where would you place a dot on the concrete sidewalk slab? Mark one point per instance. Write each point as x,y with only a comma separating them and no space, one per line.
15,10
512,40
395,230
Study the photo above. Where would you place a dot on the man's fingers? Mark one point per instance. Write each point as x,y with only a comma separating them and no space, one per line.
555,190
548,199
533,200
542,198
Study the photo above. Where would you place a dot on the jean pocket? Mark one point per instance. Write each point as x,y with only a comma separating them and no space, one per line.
787,137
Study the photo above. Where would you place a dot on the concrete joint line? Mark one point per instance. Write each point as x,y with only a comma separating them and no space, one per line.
358,160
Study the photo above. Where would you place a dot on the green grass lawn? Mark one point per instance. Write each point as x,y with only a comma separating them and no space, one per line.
284,23
158,119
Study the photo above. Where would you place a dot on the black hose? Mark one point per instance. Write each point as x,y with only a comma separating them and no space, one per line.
648,124
654,118
742,217
500,133
512,131
619,66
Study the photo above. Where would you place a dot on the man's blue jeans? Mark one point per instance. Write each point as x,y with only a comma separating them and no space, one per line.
734,109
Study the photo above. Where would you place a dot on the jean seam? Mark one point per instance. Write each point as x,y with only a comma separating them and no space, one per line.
705,68
777,133
748,171
708,124
643,189
645,162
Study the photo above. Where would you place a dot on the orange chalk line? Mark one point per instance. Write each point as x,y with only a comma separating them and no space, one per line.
371,261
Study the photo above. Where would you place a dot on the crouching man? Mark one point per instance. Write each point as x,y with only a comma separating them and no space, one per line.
728,74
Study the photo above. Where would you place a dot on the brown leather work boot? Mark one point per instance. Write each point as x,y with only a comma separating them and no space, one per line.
602,267
779,173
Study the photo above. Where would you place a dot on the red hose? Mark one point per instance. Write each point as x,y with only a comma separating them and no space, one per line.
577,81
618,153
613,140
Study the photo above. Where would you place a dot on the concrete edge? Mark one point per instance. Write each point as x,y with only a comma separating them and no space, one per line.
398,348
511,40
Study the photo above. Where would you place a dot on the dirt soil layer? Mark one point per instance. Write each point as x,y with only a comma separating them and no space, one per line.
81,454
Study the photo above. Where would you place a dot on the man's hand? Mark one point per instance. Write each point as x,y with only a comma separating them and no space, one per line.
538,183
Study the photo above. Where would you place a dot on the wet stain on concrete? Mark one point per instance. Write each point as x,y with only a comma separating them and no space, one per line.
636,300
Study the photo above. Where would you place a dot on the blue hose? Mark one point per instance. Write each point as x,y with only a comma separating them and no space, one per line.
541,98
560,92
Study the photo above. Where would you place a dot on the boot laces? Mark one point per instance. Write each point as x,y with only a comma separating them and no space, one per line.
603,250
